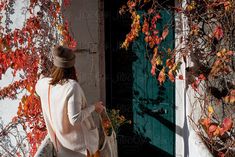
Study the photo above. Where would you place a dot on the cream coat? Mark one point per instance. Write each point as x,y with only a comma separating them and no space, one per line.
70,118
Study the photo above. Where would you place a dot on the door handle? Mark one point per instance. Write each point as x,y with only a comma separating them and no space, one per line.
160,111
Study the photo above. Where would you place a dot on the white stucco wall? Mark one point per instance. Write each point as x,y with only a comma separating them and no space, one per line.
188,143
85,22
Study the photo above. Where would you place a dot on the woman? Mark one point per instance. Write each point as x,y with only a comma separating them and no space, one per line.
67,115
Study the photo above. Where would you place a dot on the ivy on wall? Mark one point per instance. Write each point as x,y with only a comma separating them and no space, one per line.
26,51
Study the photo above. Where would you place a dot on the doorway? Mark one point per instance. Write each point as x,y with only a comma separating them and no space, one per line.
131,88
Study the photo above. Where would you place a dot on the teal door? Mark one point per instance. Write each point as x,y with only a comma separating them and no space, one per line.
153,105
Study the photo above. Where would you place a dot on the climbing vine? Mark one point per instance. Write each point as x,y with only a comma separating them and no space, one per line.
207,41
26,52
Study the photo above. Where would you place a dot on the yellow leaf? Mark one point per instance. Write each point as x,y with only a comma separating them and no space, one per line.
158,60
60,28
210,110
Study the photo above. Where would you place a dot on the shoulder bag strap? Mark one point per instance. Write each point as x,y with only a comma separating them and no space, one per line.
49,107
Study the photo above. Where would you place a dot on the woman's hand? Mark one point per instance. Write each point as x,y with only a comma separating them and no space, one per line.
99,107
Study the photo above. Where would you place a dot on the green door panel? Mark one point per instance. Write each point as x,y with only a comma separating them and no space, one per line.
154,105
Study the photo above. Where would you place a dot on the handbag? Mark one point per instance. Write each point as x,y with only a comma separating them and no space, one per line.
108,147
46,149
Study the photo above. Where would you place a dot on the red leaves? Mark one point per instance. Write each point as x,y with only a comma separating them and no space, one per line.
3,4
212,128
201,77
197,81
30,109
218,32
181,77
221,154
227,124
21,50
153,70
33,3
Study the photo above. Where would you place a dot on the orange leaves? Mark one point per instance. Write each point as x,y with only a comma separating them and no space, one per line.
145,28
171,75
222,63
152,36
227,5
30,106
107,126
151,33
135,28
173,69
230,98
218,32
194,29
205,122
169,70
156,60
213,129
131,4
63,29
162,76
116,119
170,63
11,90
30,110
165,32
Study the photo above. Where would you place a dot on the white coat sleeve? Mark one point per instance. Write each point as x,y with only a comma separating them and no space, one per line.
75,112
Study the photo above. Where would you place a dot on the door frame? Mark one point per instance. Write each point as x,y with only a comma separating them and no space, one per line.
101,51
